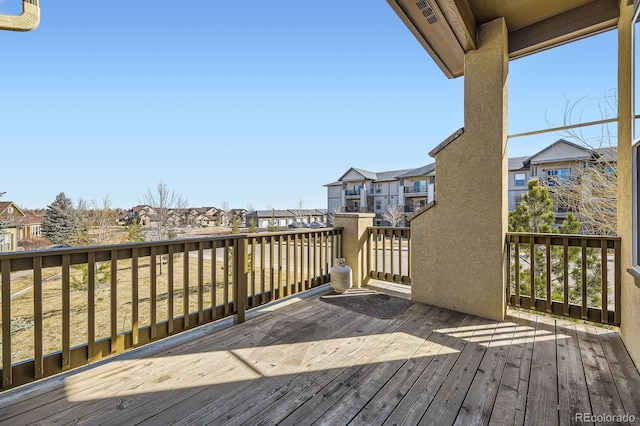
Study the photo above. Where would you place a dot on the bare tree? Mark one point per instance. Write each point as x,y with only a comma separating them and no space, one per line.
225,215
394,214
331,215
163,201
591,191
299,213
100,221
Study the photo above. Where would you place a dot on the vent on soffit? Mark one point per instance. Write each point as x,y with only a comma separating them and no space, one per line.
427,11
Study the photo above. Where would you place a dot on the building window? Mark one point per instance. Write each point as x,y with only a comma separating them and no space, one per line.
557,176
521,179
378,188
378,205
5,243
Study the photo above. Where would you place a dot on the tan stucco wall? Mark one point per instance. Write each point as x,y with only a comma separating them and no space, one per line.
354,237
630,294
458,244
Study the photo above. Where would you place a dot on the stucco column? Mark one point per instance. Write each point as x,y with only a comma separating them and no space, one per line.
457,256
630,294
354,236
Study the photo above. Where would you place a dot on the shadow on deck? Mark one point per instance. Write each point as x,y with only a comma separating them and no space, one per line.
301,360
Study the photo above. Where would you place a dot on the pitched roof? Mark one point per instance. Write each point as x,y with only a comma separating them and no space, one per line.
517,163
420,171
390,175
270,213
4,205
587,151
609,154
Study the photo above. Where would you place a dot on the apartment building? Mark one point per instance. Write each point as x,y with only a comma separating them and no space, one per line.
554,165
360,190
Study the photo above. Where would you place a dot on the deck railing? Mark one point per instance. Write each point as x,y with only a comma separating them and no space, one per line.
575,276
64,308
388,252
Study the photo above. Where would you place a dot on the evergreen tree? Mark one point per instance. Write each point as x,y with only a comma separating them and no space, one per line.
134,233
62,224
535,212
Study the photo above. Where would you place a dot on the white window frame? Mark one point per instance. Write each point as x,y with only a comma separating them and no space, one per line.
523,180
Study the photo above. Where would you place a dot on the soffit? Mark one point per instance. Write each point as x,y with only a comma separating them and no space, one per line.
447,28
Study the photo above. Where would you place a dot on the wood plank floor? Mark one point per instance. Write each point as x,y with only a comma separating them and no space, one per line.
309,362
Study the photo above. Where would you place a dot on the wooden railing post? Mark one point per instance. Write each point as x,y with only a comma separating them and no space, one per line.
240,266
7,379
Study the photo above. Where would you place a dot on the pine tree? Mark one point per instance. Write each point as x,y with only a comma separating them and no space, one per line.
62,224
535,212
134,233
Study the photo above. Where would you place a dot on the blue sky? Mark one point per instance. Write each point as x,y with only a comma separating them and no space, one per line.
250,103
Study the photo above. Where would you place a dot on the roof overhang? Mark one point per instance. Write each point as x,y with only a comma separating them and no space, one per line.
447,28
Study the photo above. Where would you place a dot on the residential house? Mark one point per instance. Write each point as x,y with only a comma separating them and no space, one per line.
16,225
282,218
267,218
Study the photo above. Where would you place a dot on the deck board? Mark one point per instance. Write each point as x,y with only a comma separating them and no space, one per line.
306,361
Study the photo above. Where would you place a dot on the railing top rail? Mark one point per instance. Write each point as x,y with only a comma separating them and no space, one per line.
574,236
21,260
395,228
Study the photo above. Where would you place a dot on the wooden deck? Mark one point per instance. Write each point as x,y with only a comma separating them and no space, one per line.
306,361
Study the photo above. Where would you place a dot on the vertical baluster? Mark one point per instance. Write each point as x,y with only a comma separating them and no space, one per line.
400,280
153,285
288,264
135,320
517,268
91,301
37,317
200,282
565,251
240,281
384,254
185,285
532,270
272,273
282,291
170,289
409,256
66,312
252,271
263,271
226,272
7,376
296,283
117,345
548,272
368,248
153,276
307,284
392,250
583,244
214,281
604,311
617,279
507,249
